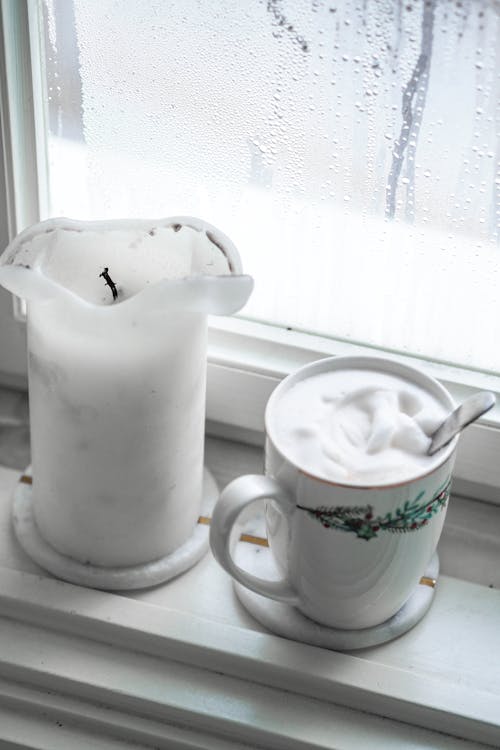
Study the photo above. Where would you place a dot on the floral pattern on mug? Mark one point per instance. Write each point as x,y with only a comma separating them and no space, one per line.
413,515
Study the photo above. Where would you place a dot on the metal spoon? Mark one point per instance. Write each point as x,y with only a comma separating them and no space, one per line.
470,410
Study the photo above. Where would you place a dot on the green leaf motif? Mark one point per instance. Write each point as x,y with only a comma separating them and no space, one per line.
361,520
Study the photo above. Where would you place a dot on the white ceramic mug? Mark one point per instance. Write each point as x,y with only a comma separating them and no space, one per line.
350,555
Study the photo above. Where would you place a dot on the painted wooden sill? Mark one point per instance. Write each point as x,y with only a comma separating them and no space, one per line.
185,661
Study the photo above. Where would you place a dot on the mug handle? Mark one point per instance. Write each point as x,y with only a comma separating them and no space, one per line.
234,499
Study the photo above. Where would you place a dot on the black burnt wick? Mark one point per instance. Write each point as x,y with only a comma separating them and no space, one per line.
109,281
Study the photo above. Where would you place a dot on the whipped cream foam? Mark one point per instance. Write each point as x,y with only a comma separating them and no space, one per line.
358,426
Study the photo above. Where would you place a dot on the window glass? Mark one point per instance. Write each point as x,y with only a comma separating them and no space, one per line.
350,149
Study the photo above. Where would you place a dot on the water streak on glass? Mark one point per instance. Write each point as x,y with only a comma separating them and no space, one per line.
351,150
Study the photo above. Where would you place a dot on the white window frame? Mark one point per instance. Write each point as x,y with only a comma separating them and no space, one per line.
95,664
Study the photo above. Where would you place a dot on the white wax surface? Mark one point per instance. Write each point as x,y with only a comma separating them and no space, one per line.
358,426
135,257
117,429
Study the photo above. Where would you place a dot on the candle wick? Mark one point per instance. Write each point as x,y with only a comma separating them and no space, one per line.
109,281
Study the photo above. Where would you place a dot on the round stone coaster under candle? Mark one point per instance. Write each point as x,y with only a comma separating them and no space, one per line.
117,326
111,578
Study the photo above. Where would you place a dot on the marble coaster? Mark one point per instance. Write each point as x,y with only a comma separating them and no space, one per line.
287,621
112,578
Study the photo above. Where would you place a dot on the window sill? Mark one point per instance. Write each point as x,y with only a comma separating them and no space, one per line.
184,662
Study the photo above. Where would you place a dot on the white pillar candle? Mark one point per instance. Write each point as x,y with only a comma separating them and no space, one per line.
117,386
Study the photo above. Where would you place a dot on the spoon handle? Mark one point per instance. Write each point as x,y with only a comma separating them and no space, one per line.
470,410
